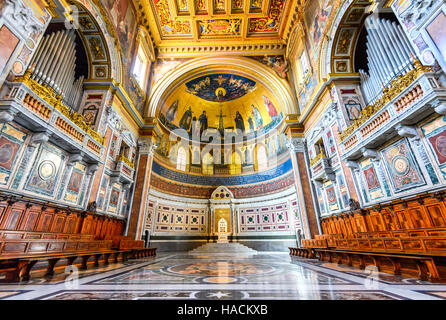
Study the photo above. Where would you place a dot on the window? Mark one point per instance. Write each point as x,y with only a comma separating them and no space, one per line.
208,165
262,160
304,65
182,159
140,68
236,165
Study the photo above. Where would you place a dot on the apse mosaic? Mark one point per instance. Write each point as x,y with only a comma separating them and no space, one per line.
220,103
401,167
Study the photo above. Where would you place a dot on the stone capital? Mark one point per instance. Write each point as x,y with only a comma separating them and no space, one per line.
351,164
406,131
38,138
441,108
369,153
92,168
147,146
295,144
76,157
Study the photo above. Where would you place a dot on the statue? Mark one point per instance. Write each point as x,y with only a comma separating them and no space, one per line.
353,204
92,206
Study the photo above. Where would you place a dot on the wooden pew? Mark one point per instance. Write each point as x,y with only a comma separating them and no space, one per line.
424,267
14,234
17,257
136,246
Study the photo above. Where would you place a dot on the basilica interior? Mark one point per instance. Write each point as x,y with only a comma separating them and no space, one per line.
222,149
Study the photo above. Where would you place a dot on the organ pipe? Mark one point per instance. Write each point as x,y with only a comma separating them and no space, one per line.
54,65
388,55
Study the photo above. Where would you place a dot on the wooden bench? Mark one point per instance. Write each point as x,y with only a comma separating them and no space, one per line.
17,257
20,266
425,264
302,252
14,234
138,253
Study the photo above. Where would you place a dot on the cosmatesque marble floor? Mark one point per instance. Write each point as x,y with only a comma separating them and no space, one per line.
267,275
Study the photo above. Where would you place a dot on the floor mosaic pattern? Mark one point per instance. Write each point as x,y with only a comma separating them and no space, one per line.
267,275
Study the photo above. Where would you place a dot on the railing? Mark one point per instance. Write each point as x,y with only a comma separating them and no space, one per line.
124,159
47,102
396,87
316,159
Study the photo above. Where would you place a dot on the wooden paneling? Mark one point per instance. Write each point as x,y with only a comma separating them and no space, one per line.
415,214
28,216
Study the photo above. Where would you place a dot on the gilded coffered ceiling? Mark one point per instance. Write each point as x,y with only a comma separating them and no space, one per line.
218,25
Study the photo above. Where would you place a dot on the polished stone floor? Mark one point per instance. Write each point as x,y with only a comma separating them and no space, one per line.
267,275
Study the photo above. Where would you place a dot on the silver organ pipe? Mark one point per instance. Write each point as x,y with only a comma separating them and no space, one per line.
66,54
57,61
54,65
389,54
66,70
40,63
49,62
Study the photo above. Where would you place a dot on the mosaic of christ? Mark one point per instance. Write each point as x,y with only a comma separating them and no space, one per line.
222,102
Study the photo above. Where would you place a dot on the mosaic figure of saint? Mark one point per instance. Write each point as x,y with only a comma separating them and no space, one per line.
186,119
203,122
172,111
239,123
251,124
257,117
195,130
271,109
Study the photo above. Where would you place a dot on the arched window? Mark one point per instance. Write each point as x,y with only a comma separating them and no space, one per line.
236,165
208,164
262,160
182,159
141,67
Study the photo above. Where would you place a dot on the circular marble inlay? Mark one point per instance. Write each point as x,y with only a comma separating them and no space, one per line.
221,268
47,169
220,279
401,165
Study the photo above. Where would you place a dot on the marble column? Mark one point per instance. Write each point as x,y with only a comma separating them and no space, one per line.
89,178
354,167
67,173
309,218
135,223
